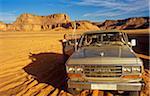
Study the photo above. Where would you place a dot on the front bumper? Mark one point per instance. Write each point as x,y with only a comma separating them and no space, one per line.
137,86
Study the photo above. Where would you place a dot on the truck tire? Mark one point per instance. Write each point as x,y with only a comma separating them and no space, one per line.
134,93
74,91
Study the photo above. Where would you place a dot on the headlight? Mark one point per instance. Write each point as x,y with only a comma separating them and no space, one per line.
127,69
71,69
133,69
74,69
79,70
136,69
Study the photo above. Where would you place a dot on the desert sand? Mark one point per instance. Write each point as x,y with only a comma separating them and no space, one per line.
32,64
18,52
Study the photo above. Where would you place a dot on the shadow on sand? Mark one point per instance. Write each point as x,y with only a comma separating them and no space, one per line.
48,68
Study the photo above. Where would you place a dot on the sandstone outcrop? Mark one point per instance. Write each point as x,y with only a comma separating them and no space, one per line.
30,22
42,20
80,25
137,23
130,23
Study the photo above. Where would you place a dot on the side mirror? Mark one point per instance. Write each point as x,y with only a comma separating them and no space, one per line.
133,42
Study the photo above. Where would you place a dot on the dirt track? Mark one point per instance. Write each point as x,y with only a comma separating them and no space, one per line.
32,64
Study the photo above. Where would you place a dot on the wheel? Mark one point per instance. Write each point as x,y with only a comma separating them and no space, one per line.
134,93
74,91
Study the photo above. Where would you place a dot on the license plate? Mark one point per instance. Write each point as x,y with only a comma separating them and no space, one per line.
104,86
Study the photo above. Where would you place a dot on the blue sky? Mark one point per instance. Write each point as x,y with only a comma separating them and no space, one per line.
94,10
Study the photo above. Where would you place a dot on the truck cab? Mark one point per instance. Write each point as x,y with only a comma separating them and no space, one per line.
104,60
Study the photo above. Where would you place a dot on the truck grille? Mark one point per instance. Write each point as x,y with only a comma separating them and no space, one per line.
102,71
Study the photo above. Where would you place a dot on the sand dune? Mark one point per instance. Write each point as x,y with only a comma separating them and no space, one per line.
32,65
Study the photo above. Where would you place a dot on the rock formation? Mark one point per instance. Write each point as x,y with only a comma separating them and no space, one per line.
130,23
80,25
30,22
2,26
42,20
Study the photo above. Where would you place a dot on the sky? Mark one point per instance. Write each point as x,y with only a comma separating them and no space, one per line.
93,10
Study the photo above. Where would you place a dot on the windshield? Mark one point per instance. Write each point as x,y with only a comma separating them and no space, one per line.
98,39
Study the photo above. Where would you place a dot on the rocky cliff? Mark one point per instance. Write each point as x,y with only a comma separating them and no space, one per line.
130,23
42,20
30,22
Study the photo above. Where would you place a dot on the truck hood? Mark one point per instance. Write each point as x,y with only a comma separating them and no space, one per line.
107,54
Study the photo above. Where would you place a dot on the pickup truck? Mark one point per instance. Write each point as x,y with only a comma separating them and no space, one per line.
104,60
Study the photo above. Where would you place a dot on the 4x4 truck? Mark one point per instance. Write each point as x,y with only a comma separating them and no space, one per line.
104,60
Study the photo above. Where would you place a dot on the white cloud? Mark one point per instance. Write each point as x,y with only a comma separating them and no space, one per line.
8,17
115,7
97,14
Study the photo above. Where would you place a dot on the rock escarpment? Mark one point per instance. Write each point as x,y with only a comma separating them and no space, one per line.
130,23
57,22
29,22
42,20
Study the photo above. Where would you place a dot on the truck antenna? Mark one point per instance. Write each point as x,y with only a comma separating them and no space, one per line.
75,35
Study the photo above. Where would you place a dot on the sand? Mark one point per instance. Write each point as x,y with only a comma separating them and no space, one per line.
17,67
32,64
